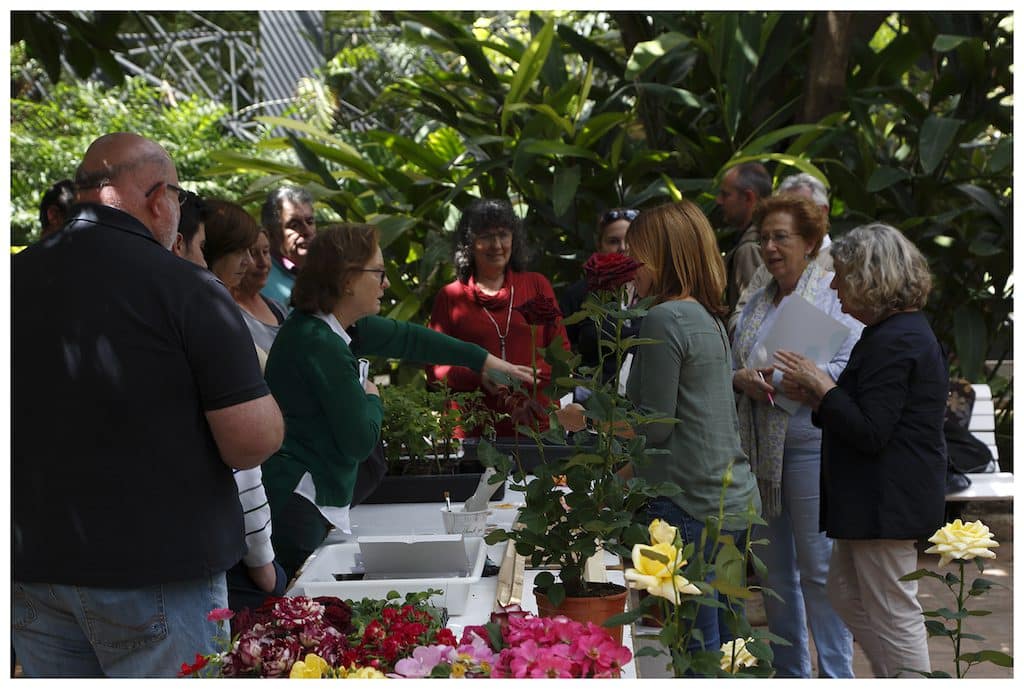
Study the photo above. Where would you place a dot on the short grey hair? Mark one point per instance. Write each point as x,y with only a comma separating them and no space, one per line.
270,213
804,180
883,269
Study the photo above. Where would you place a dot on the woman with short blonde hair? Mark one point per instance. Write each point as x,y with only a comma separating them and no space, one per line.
882,270
883,454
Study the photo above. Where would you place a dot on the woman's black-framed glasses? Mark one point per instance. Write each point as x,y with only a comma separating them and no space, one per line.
383,273
182,194
627,214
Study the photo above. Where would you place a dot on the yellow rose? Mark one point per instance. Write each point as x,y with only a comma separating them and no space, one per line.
313,667
743,656
658,576
662,532
959,541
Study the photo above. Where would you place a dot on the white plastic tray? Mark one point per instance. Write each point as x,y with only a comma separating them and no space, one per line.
317,577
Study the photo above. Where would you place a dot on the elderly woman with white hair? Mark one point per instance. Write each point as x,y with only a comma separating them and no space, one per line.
883,462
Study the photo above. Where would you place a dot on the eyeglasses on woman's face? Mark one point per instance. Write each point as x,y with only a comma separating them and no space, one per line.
383,273
627,214
182,194
499,236
777,238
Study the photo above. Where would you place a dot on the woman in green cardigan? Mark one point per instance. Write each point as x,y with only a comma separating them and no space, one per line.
332,416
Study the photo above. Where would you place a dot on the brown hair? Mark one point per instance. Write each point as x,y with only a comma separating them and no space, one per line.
809,219
677,244
228,228
333,256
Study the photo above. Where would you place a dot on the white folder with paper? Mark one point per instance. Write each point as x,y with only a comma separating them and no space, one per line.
799,327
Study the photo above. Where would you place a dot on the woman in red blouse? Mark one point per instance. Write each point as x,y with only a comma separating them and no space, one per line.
480,306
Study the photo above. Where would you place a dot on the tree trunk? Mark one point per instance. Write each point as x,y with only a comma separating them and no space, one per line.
826,68
834,33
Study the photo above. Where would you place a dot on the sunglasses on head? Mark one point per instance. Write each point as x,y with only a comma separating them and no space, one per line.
628,214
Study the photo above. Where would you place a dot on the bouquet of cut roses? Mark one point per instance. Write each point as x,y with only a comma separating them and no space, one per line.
517,644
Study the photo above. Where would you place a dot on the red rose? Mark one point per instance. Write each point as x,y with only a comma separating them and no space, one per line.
609,271
337,613
540,310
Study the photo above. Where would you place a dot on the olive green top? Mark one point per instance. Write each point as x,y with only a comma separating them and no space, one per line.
688,375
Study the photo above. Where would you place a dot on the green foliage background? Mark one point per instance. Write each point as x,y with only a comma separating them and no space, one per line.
569,113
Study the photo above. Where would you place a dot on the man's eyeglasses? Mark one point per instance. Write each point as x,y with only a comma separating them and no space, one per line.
182,194
628,214
383,273
779,238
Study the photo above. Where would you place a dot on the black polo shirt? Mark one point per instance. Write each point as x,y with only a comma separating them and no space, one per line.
118,349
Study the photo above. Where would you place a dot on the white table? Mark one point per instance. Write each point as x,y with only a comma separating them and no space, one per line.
416,519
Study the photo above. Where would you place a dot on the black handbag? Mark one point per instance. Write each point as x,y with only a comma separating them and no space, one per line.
371,473
967,454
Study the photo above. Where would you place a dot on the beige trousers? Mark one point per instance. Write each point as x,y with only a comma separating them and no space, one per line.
882,612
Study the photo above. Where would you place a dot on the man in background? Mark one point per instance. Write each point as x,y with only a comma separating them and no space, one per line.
742,187
287,215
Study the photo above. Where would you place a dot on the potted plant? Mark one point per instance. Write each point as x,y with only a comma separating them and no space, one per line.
424,457
576,503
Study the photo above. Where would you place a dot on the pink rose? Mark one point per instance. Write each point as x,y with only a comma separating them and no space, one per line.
219,615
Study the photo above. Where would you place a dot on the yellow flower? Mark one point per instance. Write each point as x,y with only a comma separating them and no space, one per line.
959,541
458,670
313,667
658,575
743,656
364,673
662,532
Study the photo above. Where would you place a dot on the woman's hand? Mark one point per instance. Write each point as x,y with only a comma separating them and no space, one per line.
802,380
520,373
370,388
752,382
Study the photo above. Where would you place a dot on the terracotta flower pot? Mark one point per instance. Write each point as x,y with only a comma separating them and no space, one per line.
594,609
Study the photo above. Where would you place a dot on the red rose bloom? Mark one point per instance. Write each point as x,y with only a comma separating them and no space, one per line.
337,613
540,310
609,271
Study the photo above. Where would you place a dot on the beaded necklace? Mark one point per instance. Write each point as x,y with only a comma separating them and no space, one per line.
508,320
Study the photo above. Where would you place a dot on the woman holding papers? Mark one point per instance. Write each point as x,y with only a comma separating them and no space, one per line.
785,448
883,453
687,375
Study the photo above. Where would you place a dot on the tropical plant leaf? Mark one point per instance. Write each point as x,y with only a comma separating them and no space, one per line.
937,134
529,68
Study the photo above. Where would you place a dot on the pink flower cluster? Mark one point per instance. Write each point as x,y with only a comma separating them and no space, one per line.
558,647
532,647
473,657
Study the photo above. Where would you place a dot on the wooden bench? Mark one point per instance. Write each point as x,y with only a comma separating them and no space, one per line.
992,484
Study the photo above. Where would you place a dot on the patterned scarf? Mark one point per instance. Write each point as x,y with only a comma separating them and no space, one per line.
763,426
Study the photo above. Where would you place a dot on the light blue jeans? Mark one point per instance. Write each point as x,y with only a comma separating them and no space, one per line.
797,558
710,621
61,630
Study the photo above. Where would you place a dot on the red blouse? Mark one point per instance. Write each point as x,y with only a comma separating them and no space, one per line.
461,310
